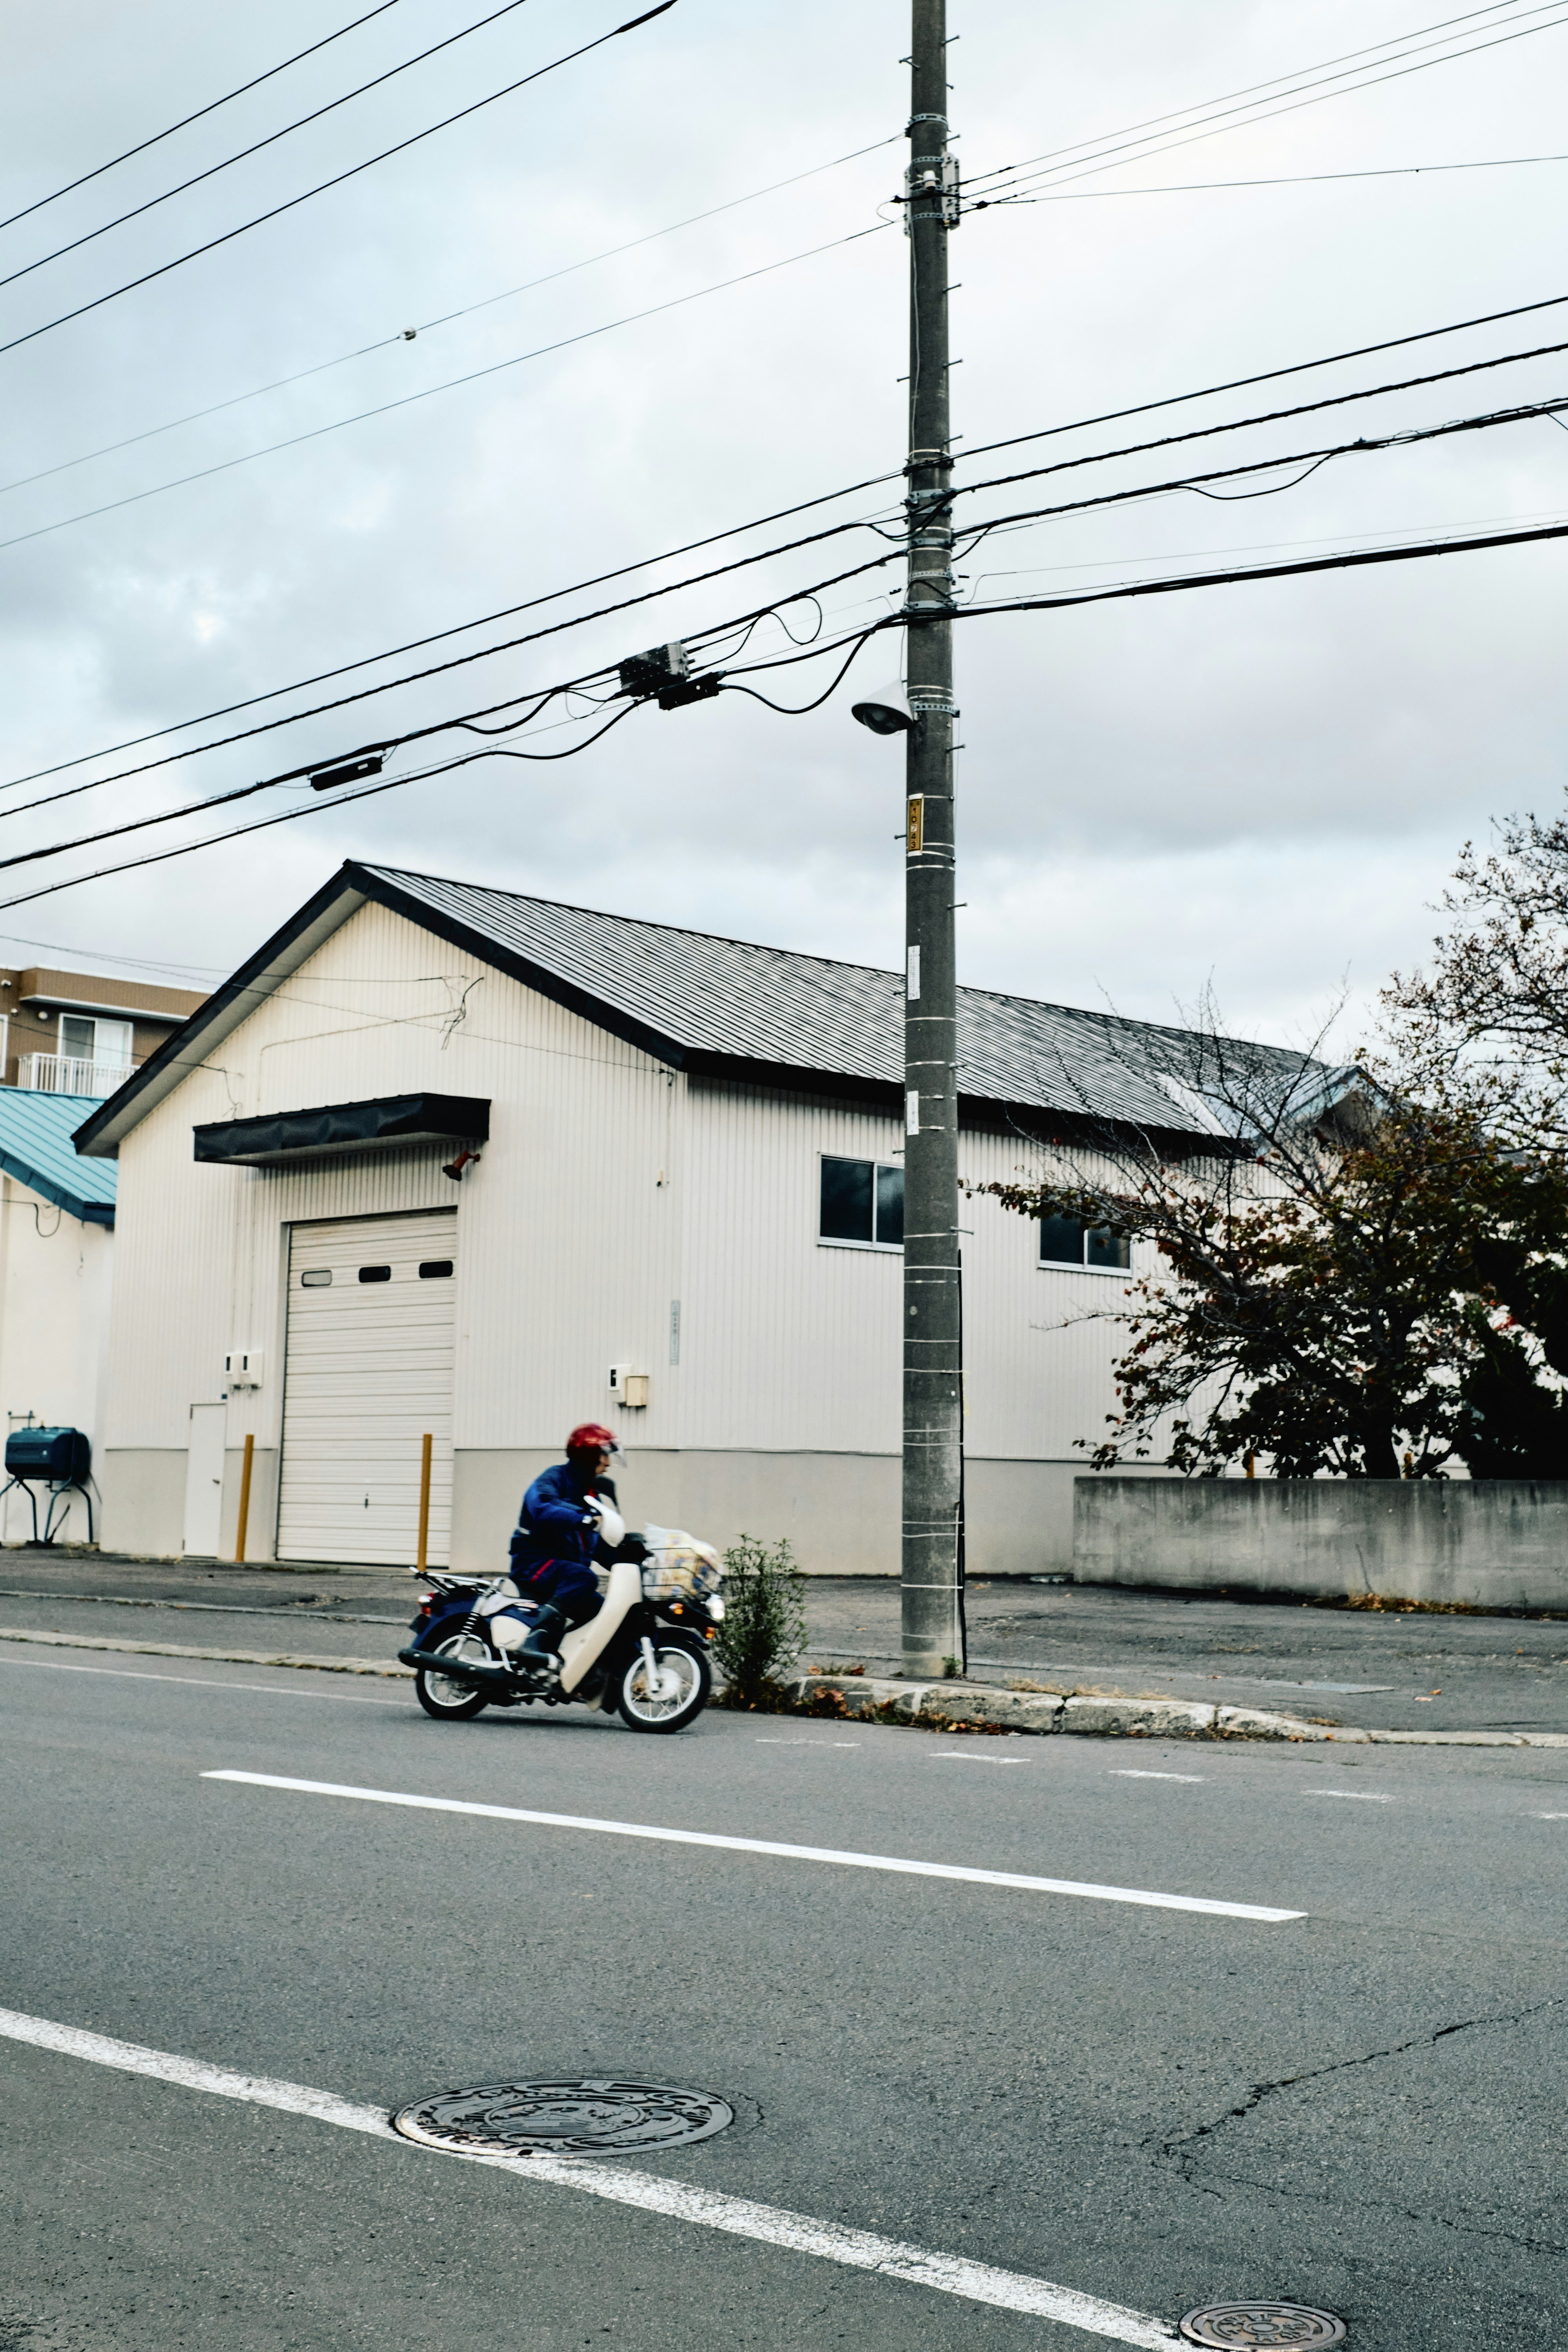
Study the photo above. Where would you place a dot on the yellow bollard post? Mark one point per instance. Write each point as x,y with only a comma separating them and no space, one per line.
424,1500
243,1528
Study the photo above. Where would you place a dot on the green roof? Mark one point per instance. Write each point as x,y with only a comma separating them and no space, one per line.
35,1148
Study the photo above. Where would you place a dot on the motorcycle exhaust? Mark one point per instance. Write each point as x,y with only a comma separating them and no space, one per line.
460,1670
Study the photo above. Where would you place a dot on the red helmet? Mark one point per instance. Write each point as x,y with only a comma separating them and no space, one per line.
590,1438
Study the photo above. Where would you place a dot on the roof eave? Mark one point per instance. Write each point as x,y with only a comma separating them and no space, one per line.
86,1212
100,1137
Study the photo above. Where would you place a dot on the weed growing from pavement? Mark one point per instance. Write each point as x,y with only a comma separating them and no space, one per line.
763,1632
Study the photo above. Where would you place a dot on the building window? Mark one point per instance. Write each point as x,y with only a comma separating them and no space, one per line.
83,1039
316,1277
434,1269
862,1205
1065,1241
375,1273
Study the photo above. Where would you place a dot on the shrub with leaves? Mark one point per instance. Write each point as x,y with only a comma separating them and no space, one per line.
763,1632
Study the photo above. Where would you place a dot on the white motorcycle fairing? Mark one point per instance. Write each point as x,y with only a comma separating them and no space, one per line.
580,1648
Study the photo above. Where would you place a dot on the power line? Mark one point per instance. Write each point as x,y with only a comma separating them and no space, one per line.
1268,375
426,326
1254,89
241,154
1210,126
437,637
539,699
1166,586
186,120
290,202
692,546
1288,180
452,383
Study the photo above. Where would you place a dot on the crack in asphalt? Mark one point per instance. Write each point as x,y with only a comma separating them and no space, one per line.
1181,2151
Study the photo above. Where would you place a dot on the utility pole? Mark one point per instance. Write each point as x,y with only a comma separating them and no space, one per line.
933,1342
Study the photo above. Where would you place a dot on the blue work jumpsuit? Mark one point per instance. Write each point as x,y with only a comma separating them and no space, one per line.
553,1548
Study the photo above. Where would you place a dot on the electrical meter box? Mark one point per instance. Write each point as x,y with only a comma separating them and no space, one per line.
627,1386
242,1368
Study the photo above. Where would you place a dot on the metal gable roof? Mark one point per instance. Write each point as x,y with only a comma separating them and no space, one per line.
35,1148
730,1009
707,1001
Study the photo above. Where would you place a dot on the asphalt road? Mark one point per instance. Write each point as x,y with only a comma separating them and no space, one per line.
1399,1673
1360,2107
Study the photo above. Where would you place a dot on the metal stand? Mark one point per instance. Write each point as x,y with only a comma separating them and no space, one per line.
57,1488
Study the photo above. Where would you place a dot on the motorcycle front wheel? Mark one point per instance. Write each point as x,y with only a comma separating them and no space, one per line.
678,1697
440,1695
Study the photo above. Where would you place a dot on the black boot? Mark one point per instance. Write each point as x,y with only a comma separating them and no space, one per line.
538,1652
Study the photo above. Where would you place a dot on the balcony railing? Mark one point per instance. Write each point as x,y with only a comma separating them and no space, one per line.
61,1073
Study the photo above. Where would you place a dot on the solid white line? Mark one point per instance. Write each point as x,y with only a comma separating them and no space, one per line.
710,2208
765,1845
1127,1772
1357,1796
202,1682
1551,1817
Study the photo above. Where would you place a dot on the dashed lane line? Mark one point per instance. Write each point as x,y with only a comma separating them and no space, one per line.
849,1861
710,2208
1355,1795
1129,1772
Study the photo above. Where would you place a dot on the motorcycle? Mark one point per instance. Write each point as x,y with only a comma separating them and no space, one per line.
643,1654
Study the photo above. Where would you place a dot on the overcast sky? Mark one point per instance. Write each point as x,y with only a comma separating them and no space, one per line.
1260,785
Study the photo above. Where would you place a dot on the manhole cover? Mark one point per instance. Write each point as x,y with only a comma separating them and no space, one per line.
1239,2326
602,2117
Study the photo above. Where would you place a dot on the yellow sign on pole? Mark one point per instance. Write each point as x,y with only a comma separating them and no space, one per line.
917,825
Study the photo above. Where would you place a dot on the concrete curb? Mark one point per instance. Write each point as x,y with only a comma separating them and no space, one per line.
939,1706
213,1657
954,1705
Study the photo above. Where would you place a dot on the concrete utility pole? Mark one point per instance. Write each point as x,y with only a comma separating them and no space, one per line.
933,1345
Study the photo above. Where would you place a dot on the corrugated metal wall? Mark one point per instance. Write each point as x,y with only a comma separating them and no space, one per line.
611,1188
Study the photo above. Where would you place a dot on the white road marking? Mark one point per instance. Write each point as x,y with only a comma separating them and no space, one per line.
972,1756
766,1845
1551,1817
203,1682
1127,1772
808,1743
1356,1796
710,2208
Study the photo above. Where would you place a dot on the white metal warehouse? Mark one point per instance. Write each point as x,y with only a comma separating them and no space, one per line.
683,1218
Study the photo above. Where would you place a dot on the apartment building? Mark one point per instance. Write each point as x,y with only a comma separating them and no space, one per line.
78,1033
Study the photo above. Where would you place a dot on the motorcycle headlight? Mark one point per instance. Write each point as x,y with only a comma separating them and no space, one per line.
715,1608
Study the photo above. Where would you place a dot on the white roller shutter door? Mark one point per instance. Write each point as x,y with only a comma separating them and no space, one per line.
371,1345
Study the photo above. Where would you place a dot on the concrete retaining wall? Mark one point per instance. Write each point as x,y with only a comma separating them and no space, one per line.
1491,1543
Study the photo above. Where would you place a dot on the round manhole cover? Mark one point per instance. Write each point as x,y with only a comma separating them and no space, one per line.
1240,2326
599,2118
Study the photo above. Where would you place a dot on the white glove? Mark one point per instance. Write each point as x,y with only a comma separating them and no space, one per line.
612,1527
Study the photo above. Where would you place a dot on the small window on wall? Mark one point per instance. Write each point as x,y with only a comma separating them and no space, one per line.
1065,1240
375,1273
862,1205
316,1277
435,1270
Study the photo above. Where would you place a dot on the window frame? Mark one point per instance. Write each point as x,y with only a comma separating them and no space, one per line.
835,1241
1068,1265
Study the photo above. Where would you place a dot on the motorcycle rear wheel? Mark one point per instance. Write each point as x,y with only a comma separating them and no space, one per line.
642,1710
447,1700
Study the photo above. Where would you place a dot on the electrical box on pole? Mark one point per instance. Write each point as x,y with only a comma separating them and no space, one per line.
933,1547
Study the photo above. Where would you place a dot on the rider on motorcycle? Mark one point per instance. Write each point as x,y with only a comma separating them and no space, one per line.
559,1534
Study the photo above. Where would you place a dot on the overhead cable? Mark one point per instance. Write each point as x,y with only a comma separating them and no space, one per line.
452,383
988,449
1211,126
241,153
427,326
1166,586
1286,180
211,106
290,202
974,535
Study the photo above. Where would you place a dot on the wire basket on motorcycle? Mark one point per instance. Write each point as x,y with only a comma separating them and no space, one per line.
679,1564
